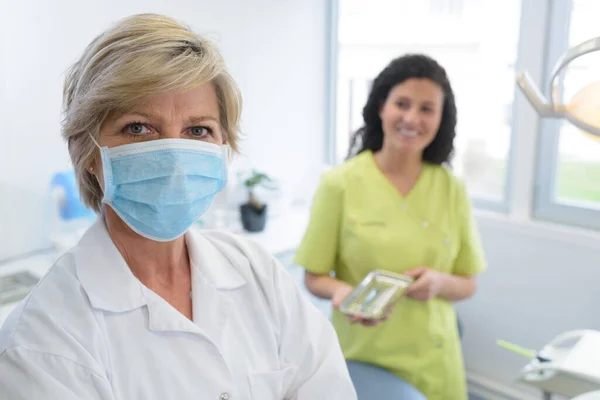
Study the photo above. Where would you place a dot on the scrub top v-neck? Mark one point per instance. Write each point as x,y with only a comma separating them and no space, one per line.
361,222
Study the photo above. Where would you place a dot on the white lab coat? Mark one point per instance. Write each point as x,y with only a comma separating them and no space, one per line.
91,330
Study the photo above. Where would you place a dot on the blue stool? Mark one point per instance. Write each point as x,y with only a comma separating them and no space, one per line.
373,383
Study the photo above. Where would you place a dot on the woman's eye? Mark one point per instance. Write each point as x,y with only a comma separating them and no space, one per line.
402,104
135,129
199,131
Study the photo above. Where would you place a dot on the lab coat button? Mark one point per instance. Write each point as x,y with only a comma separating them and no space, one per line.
447,242
404,206
425,224
224,396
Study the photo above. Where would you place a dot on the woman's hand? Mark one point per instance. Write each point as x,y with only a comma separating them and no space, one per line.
427,285
342,291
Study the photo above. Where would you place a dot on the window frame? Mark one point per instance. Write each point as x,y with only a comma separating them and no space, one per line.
547,206
331,66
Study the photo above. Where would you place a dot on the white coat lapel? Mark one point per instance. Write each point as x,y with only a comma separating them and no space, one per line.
214,275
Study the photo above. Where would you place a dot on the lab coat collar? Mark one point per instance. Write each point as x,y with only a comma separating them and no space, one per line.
214,263
104,275
111,286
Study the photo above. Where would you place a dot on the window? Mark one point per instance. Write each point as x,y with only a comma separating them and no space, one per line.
512,159
474,40
569,166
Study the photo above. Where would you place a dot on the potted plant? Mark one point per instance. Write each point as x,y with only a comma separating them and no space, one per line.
254,212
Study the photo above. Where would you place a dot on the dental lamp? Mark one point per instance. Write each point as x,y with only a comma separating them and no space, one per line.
583,111
570,364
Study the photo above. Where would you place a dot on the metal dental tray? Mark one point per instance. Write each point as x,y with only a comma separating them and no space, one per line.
374,296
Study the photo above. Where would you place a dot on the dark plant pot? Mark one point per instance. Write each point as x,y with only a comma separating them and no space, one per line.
253,220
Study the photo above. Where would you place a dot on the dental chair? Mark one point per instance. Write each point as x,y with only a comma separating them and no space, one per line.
372,382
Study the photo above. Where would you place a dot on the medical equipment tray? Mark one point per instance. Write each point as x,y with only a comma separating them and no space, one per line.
375,295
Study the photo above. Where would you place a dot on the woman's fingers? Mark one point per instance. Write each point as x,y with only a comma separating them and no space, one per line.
370,322
416,272
421,284
365,321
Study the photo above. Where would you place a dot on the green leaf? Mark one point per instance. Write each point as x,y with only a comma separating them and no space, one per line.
258,178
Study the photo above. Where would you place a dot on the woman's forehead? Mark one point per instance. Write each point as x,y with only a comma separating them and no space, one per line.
200,103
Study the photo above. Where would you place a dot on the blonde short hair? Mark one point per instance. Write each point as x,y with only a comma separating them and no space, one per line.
141,55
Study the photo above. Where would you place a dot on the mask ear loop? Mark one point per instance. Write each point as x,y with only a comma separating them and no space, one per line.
91,169
95,141
107,171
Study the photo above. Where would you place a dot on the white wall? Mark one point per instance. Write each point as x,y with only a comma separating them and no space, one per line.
542,280
275,49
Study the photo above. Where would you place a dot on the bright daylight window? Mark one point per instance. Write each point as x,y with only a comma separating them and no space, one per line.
474,40
568,188
578,161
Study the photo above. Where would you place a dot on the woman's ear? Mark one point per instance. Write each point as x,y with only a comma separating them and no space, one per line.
96,171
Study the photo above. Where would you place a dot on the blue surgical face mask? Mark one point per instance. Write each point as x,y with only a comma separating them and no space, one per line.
159,188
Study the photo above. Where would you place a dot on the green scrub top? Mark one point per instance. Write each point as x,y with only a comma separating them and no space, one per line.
360,222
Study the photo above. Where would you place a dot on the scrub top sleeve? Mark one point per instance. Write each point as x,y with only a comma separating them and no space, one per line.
31,375
310,354
471,258
317,252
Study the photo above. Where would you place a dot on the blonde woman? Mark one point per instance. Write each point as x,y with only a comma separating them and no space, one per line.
146,307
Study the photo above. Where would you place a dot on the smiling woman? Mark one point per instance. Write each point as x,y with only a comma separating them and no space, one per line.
410,116
424,97
394,206
147,306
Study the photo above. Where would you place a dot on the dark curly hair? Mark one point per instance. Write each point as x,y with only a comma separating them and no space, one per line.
370,136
